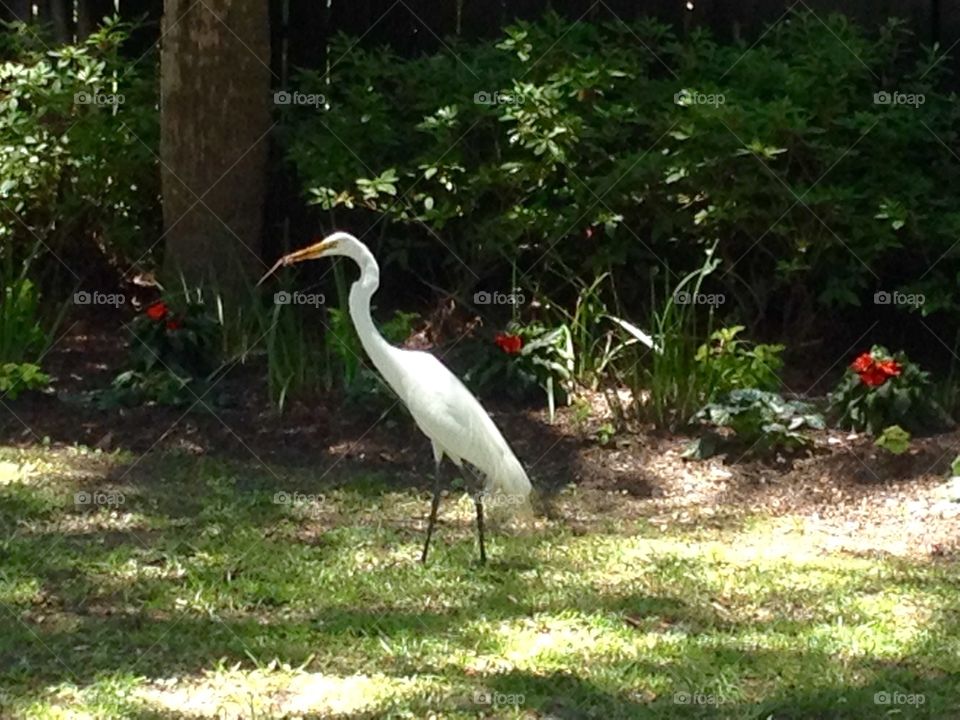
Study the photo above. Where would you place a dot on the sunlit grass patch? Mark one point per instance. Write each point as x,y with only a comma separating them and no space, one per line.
204,594
274,691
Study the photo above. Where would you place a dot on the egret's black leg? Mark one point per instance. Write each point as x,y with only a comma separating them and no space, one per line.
478,501
433,512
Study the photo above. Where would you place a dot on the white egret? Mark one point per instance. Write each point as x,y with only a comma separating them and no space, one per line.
442,407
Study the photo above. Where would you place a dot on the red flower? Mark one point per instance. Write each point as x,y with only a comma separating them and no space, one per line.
158,311
862,363
873,377
891,368
874,373
510,344
174,324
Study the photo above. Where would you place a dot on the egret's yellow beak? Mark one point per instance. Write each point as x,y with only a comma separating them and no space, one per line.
310,252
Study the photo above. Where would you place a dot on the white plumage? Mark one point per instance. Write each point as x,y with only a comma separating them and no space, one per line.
442,407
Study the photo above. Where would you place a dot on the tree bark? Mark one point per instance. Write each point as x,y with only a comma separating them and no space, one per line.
215,118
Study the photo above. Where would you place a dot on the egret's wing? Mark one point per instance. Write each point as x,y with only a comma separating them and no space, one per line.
446,411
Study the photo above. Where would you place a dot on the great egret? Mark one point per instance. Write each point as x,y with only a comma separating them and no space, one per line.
444,410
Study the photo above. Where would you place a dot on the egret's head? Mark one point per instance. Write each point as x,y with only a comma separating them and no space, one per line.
338,243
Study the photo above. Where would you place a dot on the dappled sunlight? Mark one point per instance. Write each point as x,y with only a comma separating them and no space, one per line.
278,692
334,583
547,642
15,473
605,365
15,591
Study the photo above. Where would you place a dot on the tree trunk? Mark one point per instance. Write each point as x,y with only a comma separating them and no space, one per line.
60,18
215,118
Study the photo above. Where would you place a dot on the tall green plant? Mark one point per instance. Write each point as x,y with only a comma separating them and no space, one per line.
268,326
673,385
295,364
23,335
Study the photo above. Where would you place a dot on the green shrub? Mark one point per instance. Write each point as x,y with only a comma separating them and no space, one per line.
880,389
17,377
77,127
596,159
179,335
733,363
174,353
762,423
523,360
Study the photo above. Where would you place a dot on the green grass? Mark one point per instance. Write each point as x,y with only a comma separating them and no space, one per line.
201,596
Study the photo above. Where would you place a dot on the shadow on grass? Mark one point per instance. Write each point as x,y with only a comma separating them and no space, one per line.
68,613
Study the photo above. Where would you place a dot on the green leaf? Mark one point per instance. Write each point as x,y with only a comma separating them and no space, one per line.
894,439
701,448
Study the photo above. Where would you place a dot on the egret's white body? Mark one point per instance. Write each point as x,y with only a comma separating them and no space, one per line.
457,425
442,407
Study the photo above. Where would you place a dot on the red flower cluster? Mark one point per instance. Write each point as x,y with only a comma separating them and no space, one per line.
873,372
159,311
510,344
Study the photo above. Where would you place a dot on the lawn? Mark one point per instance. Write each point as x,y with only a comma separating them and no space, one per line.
186,586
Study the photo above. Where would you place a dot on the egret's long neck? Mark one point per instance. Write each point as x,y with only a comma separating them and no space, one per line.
376,347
